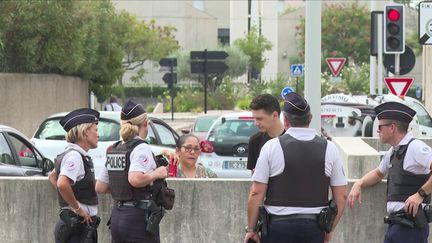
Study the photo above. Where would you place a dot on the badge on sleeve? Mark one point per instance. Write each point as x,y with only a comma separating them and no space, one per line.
425,150
144,159
70,166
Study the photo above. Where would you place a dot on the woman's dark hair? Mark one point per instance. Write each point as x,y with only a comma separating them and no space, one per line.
182,139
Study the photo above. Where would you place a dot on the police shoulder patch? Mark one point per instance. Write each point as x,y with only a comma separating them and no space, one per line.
425,149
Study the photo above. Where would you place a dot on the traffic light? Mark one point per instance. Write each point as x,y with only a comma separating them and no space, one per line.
394,29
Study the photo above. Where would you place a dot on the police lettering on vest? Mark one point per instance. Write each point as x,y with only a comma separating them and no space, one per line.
116,162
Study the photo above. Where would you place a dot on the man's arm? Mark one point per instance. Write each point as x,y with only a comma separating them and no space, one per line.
102,187
256,198
370,179
52,177
412,203
339,195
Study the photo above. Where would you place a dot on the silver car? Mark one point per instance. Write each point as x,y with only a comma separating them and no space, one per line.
19,157
225,148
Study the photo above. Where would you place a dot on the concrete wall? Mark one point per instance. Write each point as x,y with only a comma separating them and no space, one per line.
27,99
205,211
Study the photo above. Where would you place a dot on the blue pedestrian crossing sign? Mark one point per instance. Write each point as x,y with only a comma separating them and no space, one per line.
285,91
297,70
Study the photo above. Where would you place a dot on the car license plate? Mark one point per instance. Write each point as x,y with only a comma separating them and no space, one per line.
236,165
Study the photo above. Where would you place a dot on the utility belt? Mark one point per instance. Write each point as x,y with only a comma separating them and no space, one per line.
141,204
73,225
422,218
154,212
325,218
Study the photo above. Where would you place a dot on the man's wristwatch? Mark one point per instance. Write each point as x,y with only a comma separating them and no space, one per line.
247,229
422,193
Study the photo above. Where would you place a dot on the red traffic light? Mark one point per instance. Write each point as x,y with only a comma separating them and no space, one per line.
393,15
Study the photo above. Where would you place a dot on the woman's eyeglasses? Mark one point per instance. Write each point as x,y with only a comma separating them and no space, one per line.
189,148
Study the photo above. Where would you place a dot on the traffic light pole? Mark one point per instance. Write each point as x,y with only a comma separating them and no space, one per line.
397,64
172,91
205,81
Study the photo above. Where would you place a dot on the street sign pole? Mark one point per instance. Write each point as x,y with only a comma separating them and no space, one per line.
297,90
172,91
205,81
397,64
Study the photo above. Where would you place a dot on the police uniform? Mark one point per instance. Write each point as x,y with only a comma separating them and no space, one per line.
76,165
408,168
130,210
297,184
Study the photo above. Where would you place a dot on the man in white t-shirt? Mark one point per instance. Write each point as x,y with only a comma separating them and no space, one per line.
112,105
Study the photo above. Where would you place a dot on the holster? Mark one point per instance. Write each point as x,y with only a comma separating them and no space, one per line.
89,233
402,218
155,215
263,221
71,223
327,216
163,195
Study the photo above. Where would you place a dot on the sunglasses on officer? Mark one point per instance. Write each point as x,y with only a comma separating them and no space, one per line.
384,125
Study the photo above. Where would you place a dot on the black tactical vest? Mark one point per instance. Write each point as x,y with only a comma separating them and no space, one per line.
303,182
84,189
401,184
117,164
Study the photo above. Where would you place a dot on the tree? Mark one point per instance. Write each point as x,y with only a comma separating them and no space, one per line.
254,45
339,36
236,61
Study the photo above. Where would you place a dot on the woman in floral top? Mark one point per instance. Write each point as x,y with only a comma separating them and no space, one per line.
187,151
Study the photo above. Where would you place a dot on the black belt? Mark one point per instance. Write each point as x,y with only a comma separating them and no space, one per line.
142,204
274,217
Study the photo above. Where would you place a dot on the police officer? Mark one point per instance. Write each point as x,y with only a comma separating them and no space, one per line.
407,165
128,174
266,111
293,174
74,178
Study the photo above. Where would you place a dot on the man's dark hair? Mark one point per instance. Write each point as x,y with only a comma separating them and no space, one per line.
298,121
267,102
112,99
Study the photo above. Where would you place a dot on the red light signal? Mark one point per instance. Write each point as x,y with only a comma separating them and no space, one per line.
393,15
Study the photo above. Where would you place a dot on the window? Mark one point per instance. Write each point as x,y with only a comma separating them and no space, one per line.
165,135
6,155
224,36
151,137
26,154
422,115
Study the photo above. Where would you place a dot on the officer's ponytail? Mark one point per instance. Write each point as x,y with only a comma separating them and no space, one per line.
129,128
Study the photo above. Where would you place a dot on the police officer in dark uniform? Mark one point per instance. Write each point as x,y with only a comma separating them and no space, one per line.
407,165
74,179
266,111
129,172
293,174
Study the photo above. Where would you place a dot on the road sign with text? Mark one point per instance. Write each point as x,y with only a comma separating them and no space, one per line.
425,23
399,86
335,65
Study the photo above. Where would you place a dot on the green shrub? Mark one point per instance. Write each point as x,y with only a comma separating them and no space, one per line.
244,103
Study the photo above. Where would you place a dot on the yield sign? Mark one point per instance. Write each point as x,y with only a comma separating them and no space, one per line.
335,65
398,85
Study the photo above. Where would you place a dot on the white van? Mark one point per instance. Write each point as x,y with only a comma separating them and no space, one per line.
347,115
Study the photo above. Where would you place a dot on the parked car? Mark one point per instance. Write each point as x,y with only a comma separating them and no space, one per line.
201,125
19,157
50,136
225,147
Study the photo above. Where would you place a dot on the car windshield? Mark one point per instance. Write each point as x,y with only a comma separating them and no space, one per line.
244,128
52,130
204,123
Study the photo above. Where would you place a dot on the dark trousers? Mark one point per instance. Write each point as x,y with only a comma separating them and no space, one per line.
294,231
400,234
128,224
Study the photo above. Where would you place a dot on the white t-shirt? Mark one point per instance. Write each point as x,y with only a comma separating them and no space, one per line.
113,107
271,163
141,159
418,159
72,166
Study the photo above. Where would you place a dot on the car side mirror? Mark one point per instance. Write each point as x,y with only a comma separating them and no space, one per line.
185,131
47,166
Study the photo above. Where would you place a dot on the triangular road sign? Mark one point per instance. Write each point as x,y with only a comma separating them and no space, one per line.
335,65
398,85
